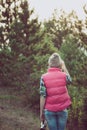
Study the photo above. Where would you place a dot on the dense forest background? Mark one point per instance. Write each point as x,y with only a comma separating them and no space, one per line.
26,44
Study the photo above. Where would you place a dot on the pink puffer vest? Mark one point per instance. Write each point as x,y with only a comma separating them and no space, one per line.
57,95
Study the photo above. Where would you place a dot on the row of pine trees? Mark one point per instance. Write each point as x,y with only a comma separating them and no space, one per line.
26,44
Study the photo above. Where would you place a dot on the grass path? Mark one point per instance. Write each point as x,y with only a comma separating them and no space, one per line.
15,117
18,119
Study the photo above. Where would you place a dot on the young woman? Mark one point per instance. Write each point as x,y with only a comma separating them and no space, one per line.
54,97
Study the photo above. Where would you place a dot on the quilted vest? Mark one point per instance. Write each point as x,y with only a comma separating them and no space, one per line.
57,94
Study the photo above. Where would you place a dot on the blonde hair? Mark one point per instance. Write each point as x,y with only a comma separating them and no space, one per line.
55,60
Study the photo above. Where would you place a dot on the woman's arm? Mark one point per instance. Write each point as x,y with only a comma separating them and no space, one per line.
64,69
42,98
42,104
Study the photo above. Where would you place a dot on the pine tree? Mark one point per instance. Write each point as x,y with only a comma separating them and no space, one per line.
28,50
24,34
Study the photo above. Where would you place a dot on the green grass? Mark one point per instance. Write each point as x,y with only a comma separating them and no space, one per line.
7,97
